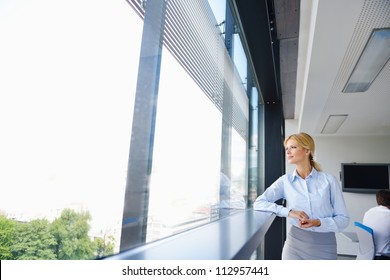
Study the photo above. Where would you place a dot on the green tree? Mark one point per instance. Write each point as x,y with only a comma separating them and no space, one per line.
7,232
34,241
104,246
70,231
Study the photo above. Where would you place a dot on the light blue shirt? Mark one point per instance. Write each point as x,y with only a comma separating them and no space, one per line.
319,196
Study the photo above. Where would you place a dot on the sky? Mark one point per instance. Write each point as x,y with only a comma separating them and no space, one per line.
66,73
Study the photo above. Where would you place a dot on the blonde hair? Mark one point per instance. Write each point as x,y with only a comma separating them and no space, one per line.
307,142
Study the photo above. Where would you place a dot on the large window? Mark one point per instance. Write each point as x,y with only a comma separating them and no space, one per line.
128,157
197,129
68,74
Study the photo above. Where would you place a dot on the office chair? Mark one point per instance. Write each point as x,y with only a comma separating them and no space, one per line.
366,242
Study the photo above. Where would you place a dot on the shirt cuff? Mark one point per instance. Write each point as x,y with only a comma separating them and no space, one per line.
284,211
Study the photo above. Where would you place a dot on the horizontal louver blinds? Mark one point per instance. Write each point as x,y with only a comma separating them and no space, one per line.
192,36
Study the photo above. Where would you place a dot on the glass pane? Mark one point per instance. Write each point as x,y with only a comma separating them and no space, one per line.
238,192
186,159
253,172
68,74
239,58
219,9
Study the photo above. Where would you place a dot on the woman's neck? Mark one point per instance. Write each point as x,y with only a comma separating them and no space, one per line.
304,170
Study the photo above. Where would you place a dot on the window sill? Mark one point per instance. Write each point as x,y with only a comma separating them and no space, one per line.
231,238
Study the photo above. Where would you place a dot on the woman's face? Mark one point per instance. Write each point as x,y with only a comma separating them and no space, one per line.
295,153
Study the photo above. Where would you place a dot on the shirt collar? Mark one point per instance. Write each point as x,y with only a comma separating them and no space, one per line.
384,207
313,174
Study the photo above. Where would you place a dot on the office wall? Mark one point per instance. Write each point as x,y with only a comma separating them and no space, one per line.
334,150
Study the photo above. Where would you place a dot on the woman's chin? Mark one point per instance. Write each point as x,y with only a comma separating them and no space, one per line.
291,161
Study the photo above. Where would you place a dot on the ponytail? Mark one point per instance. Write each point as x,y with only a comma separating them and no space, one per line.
314,164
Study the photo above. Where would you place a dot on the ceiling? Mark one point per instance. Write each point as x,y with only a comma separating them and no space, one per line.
316,44
333,35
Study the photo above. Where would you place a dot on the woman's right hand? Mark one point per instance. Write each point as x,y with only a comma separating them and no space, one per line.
300,215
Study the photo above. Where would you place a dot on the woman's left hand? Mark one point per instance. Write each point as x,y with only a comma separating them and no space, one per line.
308,223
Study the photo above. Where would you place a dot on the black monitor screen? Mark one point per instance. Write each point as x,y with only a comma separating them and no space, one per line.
365,178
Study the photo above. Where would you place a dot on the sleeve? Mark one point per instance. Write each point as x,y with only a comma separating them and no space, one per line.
340,218
266,201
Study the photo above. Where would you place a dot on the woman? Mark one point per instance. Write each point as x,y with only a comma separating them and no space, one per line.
315,204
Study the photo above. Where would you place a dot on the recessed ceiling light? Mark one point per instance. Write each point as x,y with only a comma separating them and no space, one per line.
375,55
333,123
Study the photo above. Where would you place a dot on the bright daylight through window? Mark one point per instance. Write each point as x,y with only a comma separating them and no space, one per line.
70,92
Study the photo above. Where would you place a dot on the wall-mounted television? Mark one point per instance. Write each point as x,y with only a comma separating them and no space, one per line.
365,177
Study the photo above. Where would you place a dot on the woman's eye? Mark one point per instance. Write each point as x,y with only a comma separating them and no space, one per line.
290,148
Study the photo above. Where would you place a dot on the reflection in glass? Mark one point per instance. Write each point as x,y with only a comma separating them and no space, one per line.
231,194
239,165
253,150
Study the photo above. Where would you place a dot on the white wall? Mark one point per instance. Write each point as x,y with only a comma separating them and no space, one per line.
330,152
